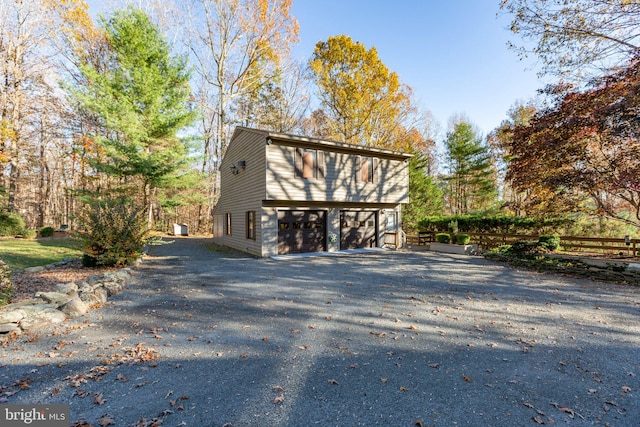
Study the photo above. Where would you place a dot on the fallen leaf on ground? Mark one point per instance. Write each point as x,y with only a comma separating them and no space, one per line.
434,365
106,420
121,378
333,382
98,400
467,379
277,388
402,388
279,399
626,388
81,393
538,419
418,423
568,411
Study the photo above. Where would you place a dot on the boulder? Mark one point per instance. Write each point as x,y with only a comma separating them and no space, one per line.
34,269
39,319
8,328
74,308
11,316
23,304
97,296
56,298
66,288
113,288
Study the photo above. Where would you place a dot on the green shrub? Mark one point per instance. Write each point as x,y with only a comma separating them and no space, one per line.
46,231
11,224
503,249
494,224
89,261
525,249
463,239
6,285
549,242
116,233
443,237
453,226
29,234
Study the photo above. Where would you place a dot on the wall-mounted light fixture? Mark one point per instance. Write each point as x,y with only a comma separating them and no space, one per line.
269,141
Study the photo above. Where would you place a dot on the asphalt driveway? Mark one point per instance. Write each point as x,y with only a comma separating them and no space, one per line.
204,338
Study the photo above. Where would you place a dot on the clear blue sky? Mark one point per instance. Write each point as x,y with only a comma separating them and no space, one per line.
453,53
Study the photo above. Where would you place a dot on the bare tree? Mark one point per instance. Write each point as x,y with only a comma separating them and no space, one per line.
25,57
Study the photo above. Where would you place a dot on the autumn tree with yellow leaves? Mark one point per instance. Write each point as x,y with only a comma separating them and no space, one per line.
364,101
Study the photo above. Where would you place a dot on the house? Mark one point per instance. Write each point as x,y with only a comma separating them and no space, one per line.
283,194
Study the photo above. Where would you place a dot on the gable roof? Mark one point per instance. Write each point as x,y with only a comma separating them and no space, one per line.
333,145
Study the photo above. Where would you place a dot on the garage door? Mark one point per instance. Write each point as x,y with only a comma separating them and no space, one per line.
358,230
301,231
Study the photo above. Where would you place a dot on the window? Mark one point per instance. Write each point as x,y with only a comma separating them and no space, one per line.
309,163
228,224
366,169
251,225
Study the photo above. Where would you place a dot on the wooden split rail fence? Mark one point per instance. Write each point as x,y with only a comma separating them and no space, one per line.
568,243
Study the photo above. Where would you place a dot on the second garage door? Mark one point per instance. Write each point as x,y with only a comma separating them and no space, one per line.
358,229
301,231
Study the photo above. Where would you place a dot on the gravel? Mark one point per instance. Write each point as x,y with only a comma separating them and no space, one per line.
206,338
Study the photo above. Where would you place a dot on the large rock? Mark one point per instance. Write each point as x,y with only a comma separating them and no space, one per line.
35,269
74,308
94,295
11,316
39,319
66,288
56,298
113,288
23,304
9,328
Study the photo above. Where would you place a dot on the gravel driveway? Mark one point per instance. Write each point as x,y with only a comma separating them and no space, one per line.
204,338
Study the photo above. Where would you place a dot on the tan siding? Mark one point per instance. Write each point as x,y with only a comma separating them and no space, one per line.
243,191
269,179
339,184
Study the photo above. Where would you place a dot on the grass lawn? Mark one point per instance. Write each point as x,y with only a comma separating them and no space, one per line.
21,253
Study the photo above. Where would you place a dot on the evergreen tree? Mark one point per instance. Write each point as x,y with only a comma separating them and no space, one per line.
470,182
140,101
425,197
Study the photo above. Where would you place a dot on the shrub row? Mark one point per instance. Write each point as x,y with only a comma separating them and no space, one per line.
12,224
494,224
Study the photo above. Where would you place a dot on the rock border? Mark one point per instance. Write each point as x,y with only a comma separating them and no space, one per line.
576,268
65,301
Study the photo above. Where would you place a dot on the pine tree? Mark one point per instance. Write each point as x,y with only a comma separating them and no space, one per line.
425,197
141,101
470,181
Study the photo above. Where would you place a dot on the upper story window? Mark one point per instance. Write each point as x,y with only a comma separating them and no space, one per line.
309,163
366,169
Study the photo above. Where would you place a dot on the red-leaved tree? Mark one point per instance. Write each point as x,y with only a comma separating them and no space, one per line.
585,146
